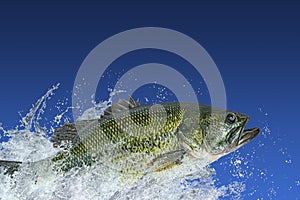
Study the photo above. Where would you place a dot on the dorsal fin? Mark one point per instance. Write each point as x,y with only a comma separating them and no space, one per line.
121,106
10,166
69,131
65,133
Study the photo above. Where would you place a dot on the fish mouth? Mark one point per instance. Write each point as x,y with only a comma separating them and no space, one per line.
247,135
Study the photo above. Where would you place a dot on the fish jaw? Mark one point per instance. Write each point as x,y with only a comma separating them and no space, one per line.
247,135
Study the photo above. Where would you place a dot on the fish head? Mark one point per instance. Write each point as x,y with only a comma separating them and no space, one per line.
224,132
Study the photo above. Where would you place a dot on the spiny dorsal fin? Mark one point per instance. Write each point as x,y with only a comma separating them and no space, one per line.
121,106
69,131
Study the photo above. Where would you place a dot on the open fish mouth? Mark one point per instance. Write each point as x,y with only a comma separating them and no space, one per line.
247,135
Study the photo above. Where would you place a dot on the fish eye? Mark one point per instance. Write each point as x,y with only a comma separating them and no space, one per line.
230,118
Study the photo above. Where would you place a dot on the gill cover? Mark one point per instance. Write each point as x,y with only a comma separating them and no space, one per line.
222,131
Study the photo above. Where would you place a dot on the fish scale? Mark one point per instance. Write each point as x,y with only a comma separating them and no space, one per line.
132,138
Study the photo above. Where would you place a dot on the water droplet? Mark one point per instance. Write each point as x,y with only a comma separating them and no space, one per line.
289,161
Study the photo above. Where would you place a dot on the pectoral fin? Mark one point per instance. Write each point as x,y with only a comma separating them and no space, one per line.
166,161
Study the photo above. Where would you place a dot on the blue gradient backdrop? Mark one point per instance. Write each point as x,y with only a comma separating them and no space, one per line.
255,45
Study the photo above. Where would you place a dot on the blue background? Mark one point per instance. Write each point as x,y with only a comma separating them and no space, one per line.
255,45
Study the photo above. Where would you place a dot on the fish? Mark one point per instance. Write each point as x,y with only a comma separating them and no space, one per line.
136,139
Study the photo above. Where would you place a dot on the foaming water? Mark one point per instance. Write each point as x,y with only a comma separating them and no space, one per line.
29,143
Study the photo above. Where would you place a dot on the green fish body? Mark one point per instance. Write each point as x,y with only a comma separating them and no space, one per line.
135,139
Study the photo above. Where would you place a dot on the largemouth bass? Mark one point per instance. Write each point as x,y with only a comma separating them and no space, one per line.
135,139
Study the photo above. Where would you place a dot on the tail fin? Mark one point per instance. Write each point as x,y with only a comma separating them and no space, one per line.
10,166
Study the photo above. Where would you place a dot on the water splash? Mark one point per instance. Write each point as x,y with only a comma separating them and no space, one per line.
29,142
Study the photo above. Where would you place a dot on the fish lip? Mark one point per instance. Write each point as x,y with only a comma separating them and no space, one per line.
247,134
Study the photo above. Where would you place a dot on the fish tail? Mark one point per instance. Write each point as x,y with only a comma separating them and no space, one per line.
10,166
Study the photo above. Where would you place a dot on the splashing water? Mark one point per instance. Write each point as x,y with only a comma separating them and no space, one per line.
29,142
